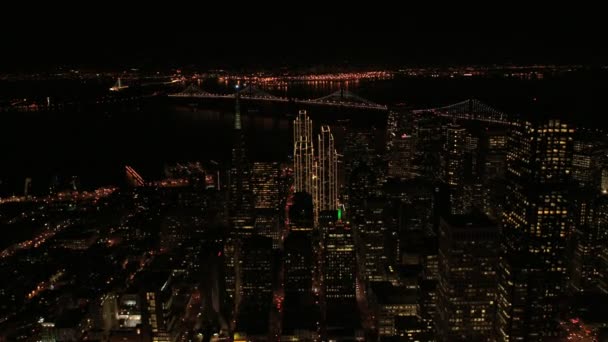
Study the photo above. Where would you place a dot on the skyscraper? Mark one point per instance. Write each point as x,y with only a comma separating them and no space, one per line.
301,309
454,166
240,203
339,267
468,252
590,237
327,173
303,153
265,185
372,237
402,156
536,229
298,264
256,285
339,279
241,196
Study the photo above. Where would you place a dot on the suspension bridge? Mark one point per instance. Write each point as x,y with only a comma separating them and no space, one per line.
340,98
471,109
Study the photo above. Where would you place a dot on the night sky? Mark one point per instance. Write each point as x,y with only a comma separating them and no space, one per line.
102,39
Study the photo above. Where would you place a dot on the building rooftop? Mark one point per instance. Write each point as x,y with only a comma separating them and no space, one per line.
387,293
475,219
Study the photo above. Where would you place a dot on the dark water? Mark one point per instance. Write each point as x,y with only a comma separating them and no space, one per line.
94,142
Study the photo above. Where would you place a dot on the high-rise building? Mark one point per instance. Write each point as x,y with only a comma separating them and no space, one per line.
590,238
339,281
303,153
241,196
339,263
427,130
468,253
402,154
583,168
265,185
240,203
372,237
301,313
255,285
536,228
453,161
298,264
327,172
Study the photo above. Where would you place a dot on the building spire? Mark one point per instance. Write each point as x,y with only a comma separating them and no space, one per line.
237,110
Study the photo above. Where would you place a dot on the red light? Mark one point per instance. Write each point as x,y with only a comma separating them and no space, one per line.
219,254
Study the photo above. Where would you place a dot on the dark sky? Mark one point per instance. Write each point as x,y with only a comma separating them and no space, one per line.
97,39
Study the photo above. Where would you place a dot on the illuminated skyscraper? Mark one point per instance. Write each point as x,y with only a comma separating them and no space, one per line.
372,237
339,269
301,310
339,277
402,156
241,196
536,230
240,204
590,238
265,185
299,263
468,252
303,153
256,285
454,166
327,172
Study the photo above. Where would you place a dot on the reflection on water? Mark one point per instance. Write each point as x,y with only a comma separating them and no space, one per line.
291,89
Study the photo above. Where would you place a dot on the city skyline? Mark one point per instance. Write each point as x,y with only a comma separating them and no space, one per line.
325,183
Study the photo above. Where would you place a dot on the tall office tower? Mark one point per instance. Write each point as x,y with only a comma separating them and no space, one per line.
361,184
358,151
327,175
265,181
339,280
339,264
536,229
427,130
590,237
583,168
400,164
401,145
453,161
493,156
301,309
241,196
372,238
303,153
240,203
298,264
256,285
468,253
265,185
428,283
361,173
